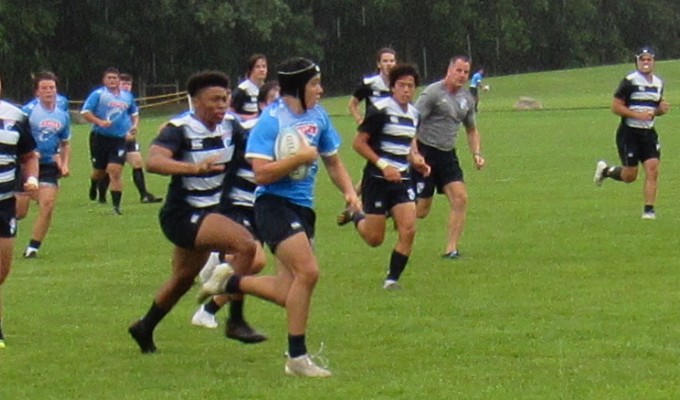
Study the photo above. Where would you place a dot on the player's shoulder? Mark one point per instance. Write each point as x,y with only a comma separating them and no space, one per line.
383,103
11,112
370,80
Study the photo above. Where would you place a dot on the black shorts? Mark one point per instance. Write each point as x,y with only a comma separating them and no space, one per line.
106,150
277,219
445,169
49,174
8,220
637,145
379,195
132,146
244,216
180,224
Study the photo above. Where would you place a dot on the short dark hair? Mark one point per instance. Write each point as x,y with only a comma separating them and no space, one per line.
401,70
252,60
384,50
461,58
201,80
44,76
126,77
111,70
265,89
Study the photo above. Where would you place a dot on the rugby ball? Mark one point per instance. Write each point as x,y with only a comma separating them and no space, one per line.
287,144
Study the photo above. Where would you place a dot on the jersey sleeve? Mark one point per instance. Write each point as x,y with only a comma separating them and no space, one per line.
26,142
171,137
362,92
374,121
424,104
624,90
329,142
262,138
91,102
238,98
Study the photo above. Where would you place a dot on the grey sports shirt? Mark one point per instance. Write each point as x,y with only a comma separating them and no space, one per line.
442,114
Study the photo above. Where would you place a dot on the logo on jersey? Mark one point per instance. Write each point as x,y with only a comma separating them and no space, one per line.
50,124
308,129
463,103
196,144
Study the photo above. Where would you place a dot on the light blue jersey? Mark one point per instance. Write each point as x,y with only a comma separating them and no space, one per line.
316,127
117,109
49,128
477,78
62,103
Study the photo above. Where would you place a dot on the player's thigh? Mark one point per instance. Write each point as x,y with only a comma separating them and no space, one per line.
296,255
219,232
404,214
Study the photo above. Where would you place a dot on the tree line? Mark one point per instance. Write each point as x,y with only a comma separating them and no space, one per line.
164,41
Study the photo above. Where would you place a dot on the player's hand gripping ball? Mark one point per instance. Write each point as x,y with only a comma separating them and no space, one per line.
287,144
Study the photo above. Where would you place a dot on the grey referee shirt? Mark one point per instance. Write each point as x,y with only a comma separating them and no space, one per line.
442,113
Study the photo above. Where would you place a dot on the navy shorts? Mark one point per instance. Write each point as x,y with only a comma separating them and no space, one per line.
132,146
181,224
379,195
277,219
637,145
445,169
106,150
49,174
244,216
8,220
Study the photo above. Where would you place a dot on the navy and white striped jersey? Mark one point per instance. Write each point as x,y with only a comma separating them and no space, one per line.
639,94
390,130
239,184
191,141
244,98
15,140
372,89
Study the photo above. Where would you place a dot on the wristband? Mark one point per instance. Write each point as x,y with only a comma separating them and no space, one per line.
32,180
382,163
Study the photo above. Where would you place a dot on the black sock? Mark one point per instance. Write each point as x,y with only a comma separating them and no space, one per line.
649,208
138,179
236,310
234,285
35,244
211,307
397,265
102,187
296,345
153,316
115,197
612,172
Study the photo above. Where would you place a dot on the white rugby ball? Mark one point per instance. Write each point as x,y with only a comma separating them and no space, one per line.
287,144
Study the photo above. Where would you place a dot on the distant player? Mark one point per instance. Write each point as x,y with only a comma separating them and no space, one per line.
114,117
638,100
384,139
133,156
51,128
476,84
244,98
374,87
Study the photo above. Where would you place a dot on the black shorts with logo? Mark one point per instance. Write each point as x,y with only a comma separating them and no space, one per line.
379,195
106,150
445,169
180,224
637,145
277,219
242,215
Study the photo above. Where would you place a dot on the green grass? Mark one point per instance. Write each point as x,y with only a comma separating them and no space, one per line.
563,291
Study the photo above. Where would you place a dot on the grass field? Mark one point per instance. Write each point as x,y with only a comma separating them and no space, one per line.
563,291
